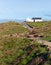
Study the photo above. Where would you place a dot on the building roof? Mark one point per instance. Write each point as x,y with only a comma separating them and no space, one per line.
37,18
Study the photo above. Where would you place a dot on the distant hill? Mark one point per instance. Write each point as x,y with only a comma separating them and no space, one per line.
17,20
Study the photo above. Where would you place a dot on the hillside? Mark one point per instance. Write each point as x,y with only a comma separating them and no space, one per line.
42,28
16,48
11,28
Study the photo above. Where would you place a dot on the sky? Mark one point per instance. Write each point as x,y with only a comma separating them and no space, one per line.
14,9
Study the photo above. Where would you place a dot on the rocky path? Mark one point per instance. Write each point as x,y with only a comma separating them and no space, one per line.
27,26
43,42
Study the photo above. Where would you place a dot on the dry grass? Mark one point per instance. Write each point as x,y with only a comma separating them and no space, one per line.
11,28
42,28
15,49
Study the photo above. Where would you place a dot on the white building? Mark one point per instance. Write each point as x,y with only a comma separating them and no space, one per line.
29,20
34,19
37,19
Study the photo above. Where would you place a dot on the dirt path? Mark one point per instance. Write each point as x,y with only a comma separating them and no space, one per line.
43,42
27,26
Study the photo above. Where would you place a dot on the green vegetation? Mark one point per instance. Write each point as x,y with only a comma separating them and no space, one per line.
11,28
25,49
42,28
21,50
47,38
39,24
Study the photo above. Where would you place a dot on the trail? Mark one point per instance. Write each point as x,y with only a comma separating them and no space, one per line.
43,42
39,60
27,26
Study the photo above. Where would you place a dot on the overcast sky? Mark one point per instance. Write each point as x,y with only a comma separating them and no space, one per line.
13,9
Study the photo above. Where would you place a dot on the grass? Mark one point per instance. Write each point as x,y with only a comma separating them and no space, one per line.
11,28
12,48
39,24
47,38
42,28
18,50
